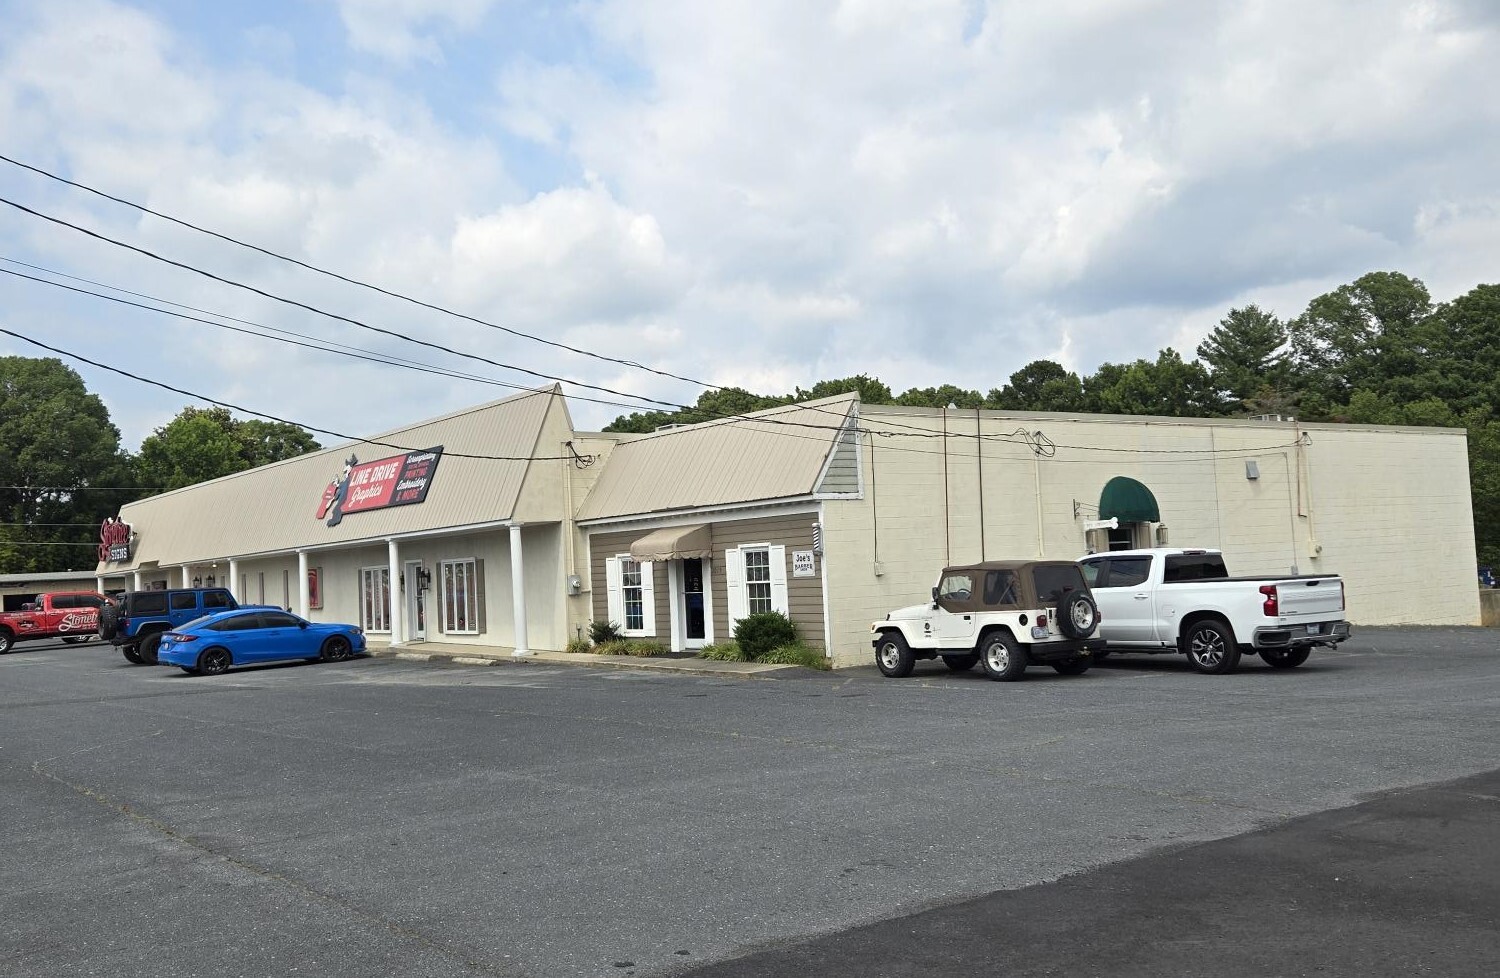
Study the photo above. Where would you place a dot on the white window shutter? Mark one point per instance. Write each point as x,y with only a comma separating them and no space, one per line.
734,586
614,600
778,581
648,599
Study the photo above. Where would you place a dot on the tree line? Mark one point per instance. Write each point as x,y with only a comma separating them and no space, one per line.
1375,351
62,470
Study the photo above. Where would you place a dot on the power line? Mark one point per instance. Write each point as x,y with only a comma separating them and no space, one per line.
304,340
353,281
323,312
271,417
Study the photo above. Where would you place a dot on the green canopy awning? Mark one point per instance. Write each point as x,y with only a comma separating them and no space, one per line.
1128,501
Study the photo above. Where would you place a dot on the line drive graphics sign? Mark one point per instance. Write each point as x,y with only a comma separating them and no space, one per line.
400,480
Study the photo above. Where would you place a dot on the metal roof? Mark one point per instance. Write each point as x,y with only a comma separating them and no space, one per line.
274,508
777,455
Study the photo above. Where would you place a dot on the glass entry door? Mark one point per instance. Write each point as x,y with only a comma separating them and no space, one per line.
692,600
416,602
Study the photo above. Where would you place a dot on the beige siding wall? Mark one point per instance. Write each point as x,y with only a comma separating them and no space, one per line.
804,594
792,531
1388,507
603,546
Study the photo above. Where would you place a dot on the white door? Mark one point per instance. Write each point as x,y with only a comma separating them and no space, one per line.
416,602
956,628
1124,599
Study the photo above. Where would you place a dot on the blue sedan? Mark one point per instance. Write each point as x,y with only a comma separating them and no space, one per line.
210,645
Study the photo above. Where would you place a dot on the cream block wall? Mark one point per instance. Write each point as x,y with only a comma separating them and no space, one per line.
1389,506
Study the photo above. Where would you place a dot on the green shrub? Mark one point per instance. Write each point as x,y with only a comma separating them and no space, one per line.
759,633
798,654
640,648
579,645
723,652
604,631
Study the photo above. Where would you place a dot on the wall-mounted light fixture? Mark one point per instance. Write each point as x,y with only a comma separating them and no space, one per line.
1252,469
197,582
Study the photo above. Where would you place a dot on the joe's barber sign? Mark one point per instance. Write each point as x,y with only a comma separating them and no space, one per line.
400,480
114,540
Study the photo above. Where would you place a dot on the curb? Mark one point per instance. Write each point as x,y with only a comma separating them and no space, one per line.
698,667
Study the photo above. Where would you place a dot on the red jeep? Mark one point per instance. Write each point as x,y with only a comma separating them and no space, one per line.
72,616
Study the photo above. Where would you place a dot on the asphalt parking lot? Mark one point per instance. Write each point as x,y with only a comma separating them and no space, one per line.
384,817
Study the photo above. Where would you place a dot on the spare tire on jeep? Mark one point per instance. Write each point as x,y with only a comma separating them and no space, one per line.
1077,615
109,621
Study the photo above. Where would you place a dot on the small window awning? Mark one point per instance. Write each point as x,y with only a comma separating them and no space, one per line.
674,543
1128,501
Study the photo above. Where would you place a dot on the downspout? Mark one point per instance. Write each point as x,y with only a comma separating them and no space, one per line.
874,511
567,464
1291,516
979,456
947,528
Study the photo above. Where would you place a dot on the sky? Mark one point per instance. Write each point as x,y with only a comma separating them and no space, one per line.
757,193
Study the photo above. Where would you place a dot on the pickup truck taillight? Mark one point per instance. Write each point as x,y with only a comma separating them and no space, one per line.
1271,608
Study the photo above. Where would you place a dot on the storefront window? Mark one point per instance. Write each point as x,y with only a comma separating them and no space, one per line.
758,580
460,596
375,599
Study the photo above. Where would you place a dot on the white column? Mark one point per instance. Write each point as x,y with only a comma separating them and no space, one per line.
187,576
137,585
518,591
304,600
233,584
99,584
393,550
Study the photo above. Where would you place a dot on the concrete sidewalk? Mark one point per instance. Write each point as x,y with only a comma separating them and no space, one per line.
468,655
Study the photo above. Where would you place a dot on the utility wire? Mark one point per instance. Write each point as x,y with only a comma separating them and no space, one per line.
271,417
322,312
427,305
352,281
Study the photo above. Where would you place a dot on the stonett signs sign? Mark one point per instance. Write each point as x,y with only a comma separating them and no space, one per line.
400,480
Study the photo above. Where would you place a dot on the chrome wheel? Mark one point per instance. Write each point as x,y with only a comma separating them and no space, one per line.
997,657
1211,647
1207,648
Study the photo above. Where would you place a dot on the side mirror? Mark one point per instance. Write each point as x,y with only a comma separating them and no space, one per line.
934,597
301,624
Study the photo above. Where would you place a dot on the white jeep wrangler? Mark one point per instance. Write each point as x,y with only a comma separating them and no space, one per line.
1006,614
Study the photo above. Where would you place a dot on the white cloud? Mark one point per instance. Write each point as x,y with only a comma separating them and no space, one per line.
769,192
403,30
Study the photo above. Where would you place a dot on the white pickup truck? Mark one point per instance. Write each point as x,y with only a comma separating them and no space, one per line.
1162,600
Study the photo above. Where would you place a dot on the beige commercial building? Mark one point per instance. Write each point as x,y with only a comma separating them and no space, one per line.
833,511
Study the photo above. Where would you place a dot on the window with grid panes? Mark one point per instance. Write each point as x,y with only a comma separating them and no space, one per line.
758,580
460,596
633,594
375,599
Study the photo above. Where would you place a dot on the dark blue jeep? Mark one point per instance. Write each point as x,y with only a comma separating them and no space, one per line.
136,621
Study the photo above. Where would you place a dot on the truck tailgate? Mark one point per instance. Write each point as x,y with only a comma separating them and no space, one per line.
1311,599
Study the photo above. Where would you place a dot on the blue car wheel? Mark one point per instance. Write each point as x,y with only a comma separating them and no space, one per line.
336,649
214,661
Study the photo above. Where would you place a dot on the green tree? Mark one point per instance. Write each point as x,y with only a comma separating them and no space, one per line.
1368,334
1169,386
726,402
1041,385
870,390
1245,353
940,397
56,446
206,443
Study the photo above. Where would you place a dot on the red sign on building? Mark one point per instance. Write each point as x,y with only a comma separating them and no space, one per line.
400,480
